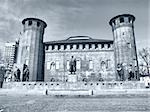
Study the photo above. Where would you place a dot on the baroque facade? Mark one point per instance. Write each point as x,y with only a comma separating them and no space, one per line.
96,59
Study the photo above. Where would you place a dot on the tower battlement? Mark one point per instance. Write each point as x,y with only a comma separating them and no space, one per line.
124,43
122,20
33,23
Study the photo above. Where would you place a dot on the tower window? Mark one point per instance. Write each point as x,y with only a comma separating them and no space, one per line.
30,23
129,20
121,20
38,24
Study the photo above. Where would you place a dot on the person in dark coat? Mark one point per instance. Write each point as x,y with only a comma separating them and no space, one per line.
24,74
18,74
131,73
2,73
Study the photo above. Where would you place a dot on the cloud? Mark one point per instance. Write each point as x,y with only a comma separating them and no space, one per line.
71,17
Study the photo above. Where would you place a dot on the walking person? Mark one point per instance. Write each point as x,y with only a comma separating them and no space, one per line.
131,73
18,74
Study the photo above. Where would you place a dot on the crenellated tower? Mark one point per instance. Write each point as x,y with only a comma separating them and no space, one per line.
32,48
124,43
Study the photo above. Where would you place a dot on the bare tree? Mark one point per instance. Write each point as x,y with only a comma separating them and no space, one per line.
144,54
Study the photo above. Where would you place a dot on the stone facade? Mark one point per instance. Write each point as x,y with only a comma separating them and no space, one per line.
94,59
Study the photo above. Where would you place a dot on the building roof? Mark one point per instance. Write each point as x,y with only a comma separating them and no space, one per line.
79,40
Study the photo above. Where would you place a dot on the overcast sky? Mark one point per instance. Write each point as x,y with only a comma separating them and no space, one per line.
67,18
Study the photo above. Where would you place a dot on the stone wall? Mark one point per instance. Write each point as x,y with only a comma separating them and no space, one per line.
53,86
91,65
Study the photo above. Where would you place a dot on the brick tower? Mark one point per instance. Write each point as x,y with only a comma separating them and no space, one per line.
124,43
32,48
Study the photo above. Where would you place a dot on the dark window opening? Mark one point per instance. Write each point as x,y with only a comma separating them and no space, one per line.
52,47
114,22
77,46
96,46
30,23
121,20
108,45
129,20
90,46
46,47
83,46
58,47
65,47
71,46
38,24
102,45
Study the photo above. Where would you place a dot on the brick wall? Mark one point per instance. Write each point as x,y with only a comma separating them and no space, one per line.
102,65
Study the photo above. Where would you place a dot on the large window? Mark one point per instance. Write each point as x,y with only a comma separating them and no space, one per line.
90,64
48,65
57,65
78,64
67,64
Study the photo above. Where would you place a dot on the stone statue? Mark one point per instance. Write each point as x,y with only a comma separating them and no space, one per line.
72,65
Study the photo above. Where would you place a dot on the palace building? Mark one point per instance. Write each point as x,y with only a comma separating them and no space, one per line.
95,59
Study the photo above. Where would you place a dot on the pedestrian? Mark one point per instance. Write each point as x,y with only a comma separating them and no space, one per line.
2,73
18,74
131,73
